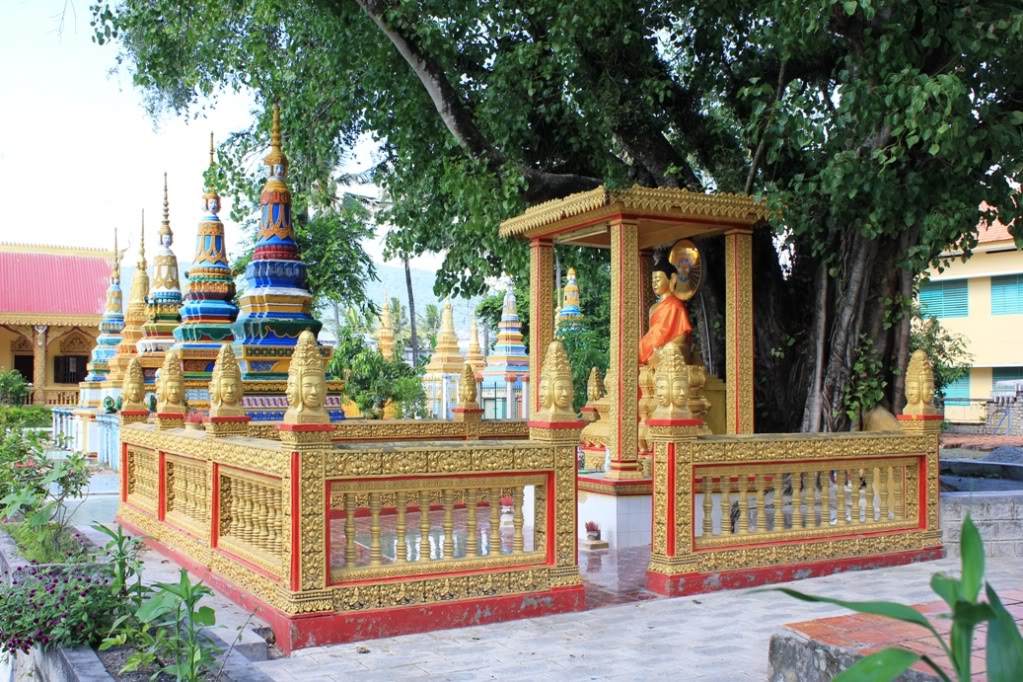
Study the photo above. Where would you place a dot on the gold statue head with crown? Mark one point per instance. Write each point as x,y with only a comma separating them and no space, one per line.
467,388
593,385
556,386
134,387
226,389
170,386
307,384
671,385
919,385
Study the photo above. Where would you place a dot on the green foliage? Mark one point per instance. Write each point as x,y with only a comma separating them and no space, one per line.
372,381
123,551
1004,643
31,416
41,487
47,544
586,348
865,388
13,388
947,350
55,605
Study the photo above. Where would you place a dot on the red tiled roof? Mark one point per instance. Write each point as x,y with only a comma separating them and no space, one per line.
995,232
53,281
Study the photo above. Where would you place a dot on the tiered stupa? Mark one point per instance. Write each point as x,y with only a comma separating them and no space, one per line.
134,318
508,363
163,307
444,370
208,311
570,313
110,326
276,307
475,355
385,331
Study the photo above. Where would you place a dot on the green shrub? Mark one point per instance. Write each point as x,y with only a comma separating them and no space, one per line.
26,415
48,544
13,388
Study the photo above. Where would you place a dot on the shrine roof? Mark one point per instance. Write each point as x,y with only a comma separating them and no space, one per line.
53,285
671,213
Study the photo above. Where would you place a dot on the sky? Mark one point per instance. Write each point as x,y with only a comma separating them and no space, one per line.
81,156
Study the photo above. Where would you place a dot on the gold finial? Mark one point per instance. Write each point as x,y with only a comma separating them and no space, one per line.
134,387
141,263
165,228
593,391
556,386
116,274
467,389
170,387
671,385
276,159
210,199
226,388
919,386
307,384
211,149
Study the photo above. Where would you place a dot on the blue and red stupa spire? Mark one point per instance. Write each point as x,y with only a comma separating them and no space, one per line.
208,311
508,363
110,326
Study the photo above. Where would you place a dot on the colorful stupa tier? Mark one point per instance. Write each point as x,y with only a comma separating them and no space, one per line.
134,318
475,355
110,327
508,362
208,311
163,307
277,305
570,312
443,373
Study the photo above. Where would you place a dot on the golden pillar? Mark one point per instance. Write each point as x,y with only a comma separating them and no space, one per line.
626,296
541,311
39,365
646,271
739,331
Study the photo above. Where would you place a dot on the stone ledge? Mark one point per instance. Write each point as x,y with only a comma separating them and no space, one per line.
793,657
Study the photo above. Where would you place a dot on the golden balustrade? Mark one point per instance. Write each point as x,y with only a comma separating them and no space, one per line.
61,396
389,430
142,478
188,493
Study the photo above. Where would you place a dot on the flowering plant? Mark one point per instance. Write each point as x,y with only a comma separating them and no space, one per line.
592,526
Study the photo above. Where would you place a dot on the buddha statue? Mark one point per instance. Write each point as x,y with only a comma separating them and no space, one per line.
919,386
669,320
134,388
170,389
671,385
556,386
467,389
226,389
307,384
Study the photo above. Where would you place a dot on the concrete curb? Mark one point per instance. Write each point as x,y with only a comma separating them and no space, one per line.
795,658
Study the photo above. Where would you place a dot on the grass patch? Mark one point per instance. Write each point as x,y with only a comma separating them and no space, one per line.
43,544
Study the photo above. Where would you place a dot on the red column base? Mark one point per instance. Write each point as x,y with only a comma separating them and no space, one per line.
317,629
699,583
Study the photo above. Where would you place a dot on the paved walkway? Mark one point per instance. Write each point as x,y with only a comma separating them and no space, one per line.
720,636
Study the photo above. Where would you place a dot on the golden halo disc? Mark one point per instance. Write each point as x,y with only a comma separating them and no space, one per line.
688,260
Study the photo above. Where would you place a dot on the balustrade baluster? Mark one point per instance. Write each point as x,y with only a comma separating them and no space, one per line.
848,490
725,504
424,525
758,481
400,545
743,505
348,500
708,518
893,499
263,517
861,506
494,538
797,500
825,479
374,529
273,520
779,512
518,542
882,502
471,544
449,524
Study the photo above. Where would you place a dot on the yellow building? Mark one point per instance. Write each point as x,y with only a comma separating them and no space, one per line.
981,299
51,301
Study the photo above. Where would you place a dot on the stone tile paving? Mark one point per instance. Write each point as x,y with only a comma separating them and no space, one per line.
972,441
720,636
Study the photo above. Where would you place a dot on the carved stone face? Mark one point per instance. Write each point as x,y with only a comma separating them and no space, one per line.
912,390
927,389
678,392
661,283
545,393
312,391
662,390
229,390
173,391
562,393
134,392
292,391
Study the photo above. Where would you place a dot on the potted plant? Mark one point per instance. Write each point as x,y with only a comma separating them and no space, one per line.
592,530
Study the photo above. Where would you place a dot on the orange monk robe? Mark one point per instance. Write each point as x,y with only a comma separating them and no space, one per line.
668,321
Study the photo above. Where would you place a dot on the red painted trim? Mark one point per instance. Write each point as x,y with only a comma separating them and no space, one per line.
552,493
618,375
924,493
215,508
134,413
700,583
670,520
296,523
920,417
161,495
467,410
674,422
226,420
329,578
555,425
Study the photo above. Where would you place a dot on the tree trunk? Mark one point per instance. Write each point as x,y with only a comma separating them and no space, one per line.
898,394
812,413
411,311
337,319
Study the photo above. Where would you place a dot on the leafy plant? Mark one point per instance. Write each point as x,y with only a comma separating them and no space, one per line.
123,551
1004,643
866,382
372,381
13,388
43,486
46,544
25,415
947,350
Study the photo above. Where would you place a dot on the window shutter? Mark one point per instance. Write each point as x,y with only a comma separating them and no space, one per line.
1006,374
957,393
1007,295
945,299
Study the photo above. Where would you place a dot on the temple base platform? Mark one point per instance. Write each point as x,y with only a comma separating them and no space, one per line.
622,509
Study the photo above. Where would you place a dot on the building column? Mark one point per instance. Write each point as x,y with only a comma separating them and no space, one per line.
646,271
739,331
39,365
626,297
541,311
